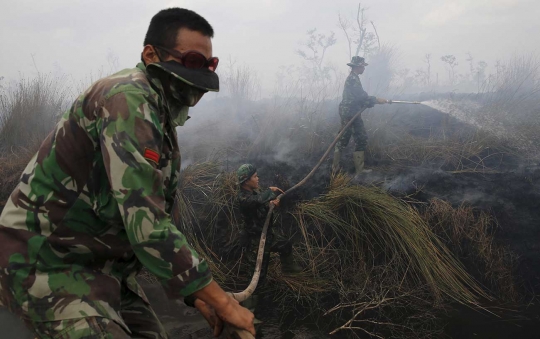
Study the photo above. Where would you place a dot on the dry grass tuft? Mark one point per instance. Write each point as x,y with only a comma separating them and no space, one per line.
470,233
29,110
205,212
371,226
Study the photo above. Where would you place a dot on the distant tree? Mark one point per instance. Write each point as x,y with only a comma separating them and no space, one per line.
314,52
450,60
481,66
358,37
420,76
403,79
345,26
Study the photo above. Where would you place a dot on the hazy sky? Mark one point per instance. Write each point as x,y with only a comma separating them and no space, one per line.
76,37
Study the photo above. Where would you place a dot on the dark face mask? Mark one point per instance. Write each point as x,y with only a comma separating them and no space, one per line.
184,96
201,78
184,86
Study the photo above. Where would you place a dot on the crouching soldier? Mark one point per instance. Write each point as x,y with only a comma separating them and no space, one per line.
94,204
254,204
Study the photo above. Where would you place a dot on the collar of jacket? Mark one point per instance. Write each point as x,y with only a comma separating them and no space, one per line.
155,81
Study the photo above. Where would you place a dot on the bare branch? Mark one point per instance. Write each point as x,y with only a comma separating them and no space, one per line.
362,30
344,24
377,34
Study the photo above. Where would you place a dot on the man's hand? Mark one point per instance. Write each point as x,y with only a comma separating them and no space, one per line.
237,315
276,189
275,202
210,315
226,307
381,101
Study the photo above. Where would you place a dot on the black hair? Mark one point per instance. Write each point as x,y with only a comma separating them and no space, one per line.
165,25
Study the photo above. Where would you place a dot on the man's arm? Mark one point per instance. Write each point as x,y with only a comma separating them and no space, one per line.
130,139
256,200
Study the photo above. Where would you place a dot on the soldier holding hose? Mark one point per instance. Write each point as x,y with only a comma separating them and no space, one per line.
254,204
354,99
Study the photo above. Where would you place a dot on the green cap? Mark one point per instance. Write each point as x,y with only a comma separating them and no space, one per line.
245,172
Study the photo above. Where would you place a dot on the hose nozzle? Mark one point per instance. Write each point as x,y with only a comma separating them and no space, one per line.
404,102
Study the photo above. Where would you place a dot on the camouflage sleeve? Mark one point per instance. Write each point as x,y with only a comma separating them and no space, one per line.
130,140
254,201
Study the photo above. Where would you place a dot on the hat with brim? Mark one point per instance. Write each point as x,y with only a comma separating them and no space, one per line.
201,78
357,61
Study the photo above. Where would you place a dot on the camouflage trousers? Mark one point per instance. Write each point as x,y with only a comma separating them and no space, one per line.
357,130
138,316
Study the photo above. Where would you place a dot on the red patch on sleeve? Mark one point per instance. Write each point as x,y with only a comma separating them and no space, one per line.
151,155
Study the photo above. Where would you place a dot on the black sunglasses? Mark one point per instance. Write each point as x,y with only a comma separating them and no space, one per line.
192,59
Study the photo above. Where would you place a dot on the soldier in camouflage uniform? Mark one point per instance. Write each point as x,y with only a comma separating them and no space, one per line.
354,99
93,206
254,204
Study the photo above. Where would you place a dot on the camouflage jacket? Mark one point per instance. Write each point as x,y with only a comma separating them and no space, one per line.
254,208
94,205
354,96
